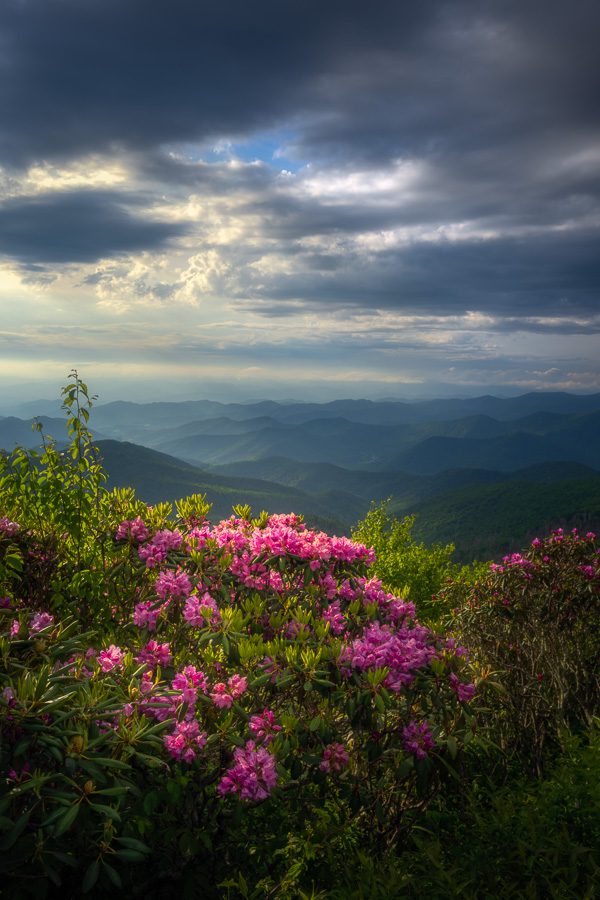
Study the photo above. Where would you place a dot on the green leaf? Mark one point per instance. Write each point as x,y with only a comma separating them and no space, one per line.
91,876
112,874
131,855
379,703
134,844
108,811
16,831
110,763
67,819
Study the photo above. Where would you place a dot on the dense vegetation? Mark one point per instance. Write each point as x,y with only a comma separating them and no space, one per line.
256,709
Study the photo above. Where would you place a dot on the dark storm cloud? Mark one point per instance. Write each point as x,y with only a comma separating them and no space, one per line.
374,80
75,227
80,76
545,275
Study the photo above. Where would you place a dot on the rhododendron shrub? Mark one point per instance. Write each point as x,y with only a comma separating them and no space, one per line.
262,664
535,619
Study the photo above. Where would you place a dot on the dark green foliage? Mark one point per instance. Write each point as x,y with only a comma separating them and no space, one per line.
531,838
535,620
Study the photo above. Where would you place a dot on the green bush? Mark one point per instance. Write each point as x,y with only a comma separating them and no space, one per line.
412,569
535,620
531,838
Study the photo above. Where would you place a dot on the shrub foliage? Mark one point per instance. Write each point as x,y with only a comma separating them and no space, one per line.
534,619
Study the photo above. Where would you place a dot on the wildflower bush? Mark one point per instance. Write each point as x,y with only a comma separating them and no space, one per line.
534,619
231,704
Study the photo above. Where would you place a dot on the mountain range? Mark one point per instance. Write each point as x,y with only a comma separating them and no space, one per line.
484,472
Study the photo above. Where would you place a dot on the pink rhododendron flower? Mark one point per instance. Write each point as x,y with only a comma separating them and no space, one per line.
185,740
188,683
418,739
146,613
253,774
174,585
237,684
264,727
221,697
402,650
335,617
40,621
134,530
464,691
198,611
155,654
110,659
156,550
335,758
9,528
146,684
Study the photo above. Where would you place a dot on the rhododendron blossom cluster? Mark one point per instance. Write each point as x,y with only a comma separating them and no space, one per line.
40,621
263,652
418,739
306,589
253,774
335,759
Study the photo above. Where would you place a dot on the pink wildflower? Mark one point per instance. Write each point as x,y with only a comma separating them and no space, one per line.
464,691
40,621
110,659
253,774
418,739
185,740
221,697
335,758
155,654
264,727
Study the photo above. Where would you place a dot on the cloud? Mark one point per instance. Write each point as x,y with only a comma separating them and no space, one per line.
86,76
367,182
77,227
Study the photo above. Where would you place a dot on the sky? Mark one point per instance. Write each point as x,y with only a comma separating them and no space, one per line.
299,199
